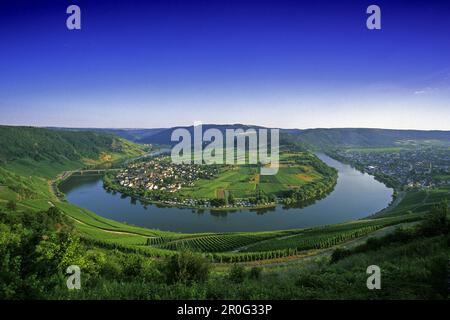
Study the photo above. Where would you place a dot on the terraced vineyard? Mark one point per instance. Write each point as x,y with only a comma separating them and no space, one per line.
245,247
313,240
220,242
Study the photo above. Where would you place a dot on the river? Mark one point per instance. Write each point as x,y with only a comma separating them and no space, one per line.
355,196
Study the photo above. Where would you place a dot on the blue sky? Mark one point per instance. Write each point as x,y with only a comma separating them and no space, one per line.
291,64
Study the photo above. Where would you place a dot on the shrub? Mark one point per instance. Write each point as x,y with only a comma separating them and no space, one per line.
338,254
255,273
54,213
237,273
132,265
11,205
436,221
185,267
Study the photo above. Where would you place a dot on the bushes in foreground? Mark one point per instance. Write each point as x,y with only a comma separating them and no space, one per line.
35,249
186,267
412,270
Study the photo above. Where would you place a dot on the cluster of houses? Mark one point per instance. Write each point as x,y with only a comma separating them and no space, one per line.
416,168
161,174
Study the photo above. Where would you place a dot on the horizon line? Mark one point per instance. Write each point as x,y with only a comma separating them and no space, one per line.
217,124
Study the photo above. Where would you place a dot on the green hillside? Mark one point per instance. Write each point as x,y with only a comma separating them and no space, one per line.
44,152
321,137
362,137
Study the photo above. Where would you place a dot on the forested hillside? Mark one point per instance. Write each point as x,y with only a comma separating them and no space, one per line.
361,137
321,138
129,134
45,152
43,144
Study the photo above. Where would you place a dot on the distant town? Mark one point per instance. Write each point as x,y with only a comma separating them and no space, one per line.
301,179
161,174
422,167
159,179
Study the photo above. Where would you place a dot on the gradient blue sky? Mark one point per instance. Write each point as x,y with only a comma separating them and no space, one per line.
291,64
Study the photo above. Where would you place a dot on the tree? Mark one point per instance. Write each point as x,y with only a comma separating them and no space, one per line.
339,254
217,202
186,267
436,221
11,205
255,273
132,266
237,273
54,213
231,199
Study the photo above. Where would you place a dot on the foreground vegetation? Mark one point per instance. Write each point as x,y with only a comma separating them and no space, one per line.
41,237
36,248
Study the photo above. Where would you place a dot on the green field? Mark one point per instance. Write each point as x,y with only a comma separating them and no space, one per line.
296,170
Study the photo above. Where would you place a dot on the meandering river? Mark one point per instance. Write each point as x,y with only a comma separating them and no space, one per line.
355,196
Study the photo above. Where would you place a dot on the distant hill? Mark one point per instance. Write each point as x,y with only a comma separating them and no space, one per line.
129,134
322,138
163,137
361,137
45,152
311,138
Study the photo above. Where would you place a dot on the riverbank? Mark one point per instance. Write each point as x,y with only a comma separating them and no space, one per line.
302,179
355,196
102,166
398,192
226,208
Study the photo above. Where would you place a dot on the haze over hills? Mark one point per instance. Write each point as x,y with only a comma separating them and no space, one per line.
312,138
316,138
365,137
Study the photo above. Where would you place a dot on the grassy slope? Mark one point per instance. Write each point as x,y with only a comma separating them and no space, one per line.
41,152
364,137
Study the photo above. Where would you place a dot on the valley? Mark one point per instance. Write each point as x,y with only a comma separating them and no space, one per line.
103,236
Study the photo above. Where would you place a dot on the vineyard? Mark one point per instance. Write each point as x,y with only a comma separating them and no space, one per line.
313,240
219,242
246,247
